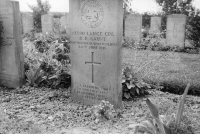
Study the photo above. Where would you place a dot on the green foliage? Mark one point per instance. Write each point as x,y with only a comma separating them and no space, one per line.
50,55
40,9
131,86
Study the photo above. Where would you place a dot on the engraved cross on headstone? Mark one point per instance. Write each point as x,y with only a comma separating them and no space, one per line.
92,62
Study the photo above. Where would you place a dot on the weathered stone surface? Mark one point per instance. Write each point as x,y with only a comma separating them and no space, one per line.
56,25
95,50
65,24
133,27
176,30
155,25
11,51
27,22
47,23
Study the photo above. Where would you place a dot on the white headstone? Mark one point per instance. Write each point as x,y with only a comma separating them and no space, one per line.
47,23
11,51
65,24
96,38
176,30
155,25
133,27
27,22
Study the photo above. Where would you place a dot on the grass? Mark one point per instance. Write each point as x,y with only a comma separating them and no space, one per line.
171,69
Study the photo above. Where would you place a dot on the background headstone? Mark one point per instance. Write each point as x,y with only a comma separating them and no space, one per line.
176,30
155,25
96,36
65,25
27,22
11,51
56,25
133,27
47,23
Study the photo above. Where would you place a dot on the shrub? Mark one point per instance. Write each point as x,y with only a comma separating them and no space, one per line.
50,55
193,30
131,86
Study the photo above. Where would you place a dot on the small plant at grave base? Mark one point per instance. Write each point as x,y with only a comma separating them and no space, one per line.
160,124
131,86
104,110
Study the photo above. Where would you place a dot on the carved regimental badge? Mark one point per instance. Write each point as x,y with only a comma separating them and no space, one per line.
92,13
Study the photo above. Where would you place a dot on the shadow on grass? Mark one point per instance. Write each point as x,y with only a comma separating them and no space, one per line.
177,88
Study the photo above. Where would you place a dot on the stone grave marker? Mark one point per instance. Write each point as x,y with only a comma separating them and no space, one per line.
27,22
11,51
47,23
155,25
56,25
65,26
96,36
176,30
133,27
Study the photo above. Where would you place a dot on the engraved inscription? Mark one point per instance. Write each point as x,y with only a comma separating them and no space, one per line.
92,13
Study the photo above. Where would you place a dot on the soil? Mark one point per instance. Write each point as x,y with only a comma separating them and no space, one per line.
31,110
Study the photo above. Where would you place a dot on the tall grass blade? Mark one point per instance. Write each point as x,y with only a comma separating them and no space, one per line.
181,106
155,113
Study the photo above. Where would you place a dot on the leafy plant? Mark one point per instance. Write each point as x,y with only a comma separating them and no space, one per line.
131,86
51,55
157,125
34,76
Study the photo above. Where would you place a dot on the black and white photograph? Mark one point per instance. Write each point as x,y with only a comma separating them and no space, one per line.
99,66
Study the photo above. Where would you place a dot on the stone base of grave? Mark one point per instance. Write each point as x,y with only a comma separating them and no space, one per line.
10,81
